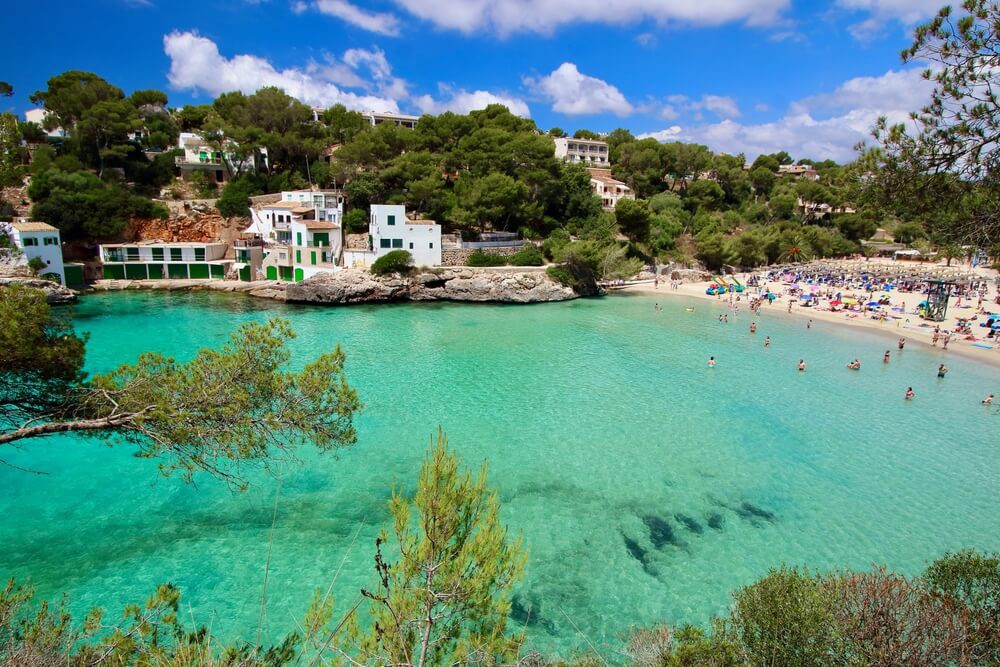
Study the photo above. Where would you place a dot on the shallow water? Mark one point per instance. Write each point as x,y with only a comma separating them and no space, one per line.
646,485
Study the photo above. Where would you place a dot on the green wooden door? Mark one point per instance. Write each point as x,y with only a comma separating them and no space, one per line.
245,274
135,271
155,271
299,276
272,272
199,271
177,271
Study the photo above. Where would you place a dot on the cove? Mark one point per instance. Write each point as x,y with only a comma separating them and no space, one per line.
647,486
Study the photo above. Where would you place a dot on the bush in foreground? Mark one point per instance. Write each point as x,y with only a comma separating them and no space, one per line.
530,256
480,258
397,261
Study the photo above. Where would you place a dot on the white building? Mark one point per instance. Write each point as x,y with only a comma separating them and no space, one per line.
200,156
38,117
41,240
583,151
609,189
301,234
389,229
400,119
156,260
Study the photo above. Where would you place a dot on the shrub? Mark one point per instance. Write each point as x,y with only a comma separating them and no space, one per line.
36,264
355,221
530,256
396,261
485,259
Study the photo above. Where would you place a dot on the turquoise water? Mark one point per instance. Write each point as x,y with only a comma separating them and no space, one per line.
646,485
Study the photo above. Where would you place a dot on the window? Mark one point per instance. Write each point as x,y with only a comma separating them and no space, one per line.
298,256
157,254
131,254
176,255
392,219
199,254
29,241
411,245
431,245
397,243
50,240
298,238
384,243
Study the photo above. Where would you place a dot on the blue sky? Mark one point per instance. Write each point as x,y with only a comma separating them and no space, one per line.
740,75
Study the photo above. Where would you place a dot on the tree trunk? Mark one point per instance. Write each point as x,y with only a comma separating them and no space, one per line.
51,428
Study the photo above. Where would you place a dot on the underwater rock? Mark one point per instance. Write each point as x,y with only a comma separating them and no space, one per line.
661,533
716,521
690,523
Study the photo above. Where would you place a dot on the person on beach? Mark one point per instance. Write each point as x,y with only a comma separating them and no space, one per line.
934,337
855,365
789,306
942,371
802,364
885,357
753,327
901,343
711,362
909,393
767,341
945,340
988,400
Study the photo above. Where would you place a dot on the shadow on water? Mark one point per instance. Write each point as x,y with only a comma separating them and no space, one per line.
637,552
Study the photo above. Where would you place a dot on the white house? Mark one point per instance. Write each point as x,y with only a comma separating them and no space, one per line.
38,117
583,151
41,240
301,234
609,189
400,119
200,156
389,229
156,260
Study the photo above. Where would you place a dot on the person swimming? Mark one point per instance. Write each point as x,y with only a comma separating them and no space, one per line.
942,371
855,365
767,341
909,393
802,364
711,362
988,400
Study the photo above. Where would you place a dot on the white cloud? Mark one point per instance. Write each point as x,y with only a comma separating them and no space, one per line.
379,22
462,101
545,16
574,93
196,64
881,12
723,107
820,127
672,133
646,39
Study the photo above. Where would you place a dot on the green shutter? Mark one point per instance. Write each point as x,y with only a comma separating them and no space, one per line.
397,243
299,275
392,219
298,256
199,254
298,238
157,254
244,274
271,272
176,255
312,257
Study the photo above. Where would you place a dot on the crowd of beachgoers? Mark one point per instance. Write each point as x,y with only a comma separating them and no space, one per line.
887,296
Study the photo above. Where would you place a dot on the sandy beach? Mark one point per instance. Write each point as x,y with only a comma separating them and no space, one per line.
909,324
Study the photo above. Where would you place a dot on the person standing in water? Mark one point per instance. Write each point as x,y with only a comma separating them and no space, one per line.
901,343
942,371
909,393
802,364
711,362
753,327
767,341
885,357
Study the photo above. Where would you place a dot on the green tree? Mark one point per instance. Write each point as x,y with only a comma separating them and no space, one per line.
70,94
585,134
856,226
444,598
557,132
220,410
148,97
972,578
633,219
953,154
234,201
705,196
495,201
355,221
908,232
6,90
11,172
394,261
105,127
787,618
762,181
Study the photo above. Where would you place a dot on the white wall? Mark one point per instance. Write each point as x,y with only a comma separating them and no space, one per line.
50,254
423,241
213,251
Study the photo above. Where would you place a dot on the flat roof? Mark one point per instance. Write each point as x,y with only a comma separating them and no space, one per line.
150,244
33,227
284,205
319,224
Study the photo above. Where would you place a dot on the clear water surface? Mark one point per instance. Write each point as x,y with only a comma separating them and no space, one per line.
646,485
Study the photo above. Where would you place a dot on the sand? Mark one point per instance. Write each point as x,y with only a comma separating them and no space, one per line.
917,331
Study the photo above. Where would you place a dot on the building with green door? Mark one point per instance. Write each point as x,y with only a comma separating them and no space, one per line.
158,260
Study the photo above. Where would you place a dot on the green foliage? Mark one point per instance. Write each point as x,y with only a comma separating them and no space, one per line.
705,195
395,261
70,95
908,232
633,219
213,413
234,200
204,185
973,579
355,221
530,256
479,258
495,201
11,171
787,618
443,598
36,264
6,90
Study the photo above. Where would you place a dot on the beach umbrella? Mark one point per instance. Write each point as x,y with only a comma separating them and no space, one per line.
874,303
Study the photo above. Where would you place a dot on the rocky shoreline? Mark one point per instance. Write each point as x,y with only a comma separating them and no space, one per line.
356,286
55,293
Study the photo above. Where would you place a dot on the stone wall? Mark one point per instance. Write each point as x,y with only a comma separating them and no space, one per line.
458,256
